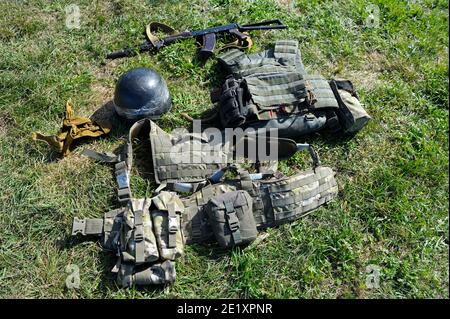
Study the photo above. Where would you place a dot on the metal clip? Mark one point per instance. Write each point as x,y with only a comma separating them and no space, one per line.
123,180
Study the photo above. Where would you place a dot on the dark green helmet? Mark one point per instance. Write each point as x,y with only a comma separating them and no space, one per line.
141,93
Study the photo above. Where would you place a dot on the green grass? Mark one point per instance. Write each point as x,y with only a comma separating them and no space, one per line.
392,210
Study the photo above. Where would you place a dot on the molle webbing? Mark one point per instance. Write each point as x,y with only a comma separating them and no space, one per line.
175,157
182,157
287,49
276,84
269,91
299,194
284,57
322,94
275,202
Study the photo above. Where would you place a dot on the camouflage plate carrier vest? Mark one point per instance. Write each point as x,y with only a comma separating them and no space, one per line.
148,235
178,156
271,89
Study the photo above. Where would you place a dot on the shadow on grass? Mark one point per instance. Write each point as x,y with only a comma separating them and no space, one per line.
107,260
210,250
332,139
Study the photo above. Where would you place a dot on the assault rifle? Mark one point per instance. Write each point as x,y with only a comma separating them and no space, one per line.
206,36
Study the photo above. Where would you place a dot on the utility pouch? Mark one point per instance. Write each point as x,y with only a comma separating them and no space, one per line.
156,274
167,225
352,116
231,218
112,225
137,240
233,112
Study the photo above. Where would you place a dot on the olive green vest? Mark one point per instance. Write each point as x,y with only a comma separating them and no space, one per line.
276,81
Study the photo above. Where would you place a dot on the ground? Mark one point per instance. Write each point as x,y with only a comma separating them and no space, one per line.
391,216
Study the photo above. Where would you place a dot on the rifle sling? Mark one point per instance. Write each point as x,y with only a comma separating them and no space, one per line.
153,27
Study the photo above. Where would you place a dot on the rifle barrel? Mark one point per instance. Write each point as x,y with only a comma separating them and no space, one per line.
127,52
120,54
264,25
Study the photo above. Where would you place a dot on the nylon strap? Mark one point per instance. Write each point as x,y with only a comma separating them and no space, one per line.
300,181
246,43
123,182
322,93
74,127
287,49
269,91
153,27
233,222
87,226
123,163
172,226
112,229
102,157
139,236
230,56
245,180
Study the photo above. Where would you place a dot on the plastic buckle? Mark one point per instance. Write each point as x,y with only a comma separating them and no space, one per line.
233,221
173,225
310,117
122,176
124,195
123,182
138,235
78,226
138,226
